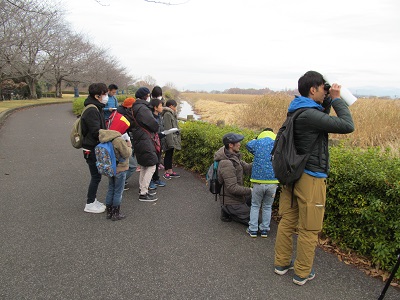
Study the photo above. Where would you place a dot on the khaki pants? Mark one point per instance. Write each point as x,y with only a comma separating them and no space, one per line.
306,214
146,173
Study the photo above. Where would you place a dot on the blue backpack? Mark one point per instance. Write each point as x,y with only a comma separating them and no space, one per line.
106,162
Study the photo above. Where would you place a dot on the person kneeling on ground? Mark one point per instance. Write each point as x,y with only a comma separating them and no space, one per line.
230,173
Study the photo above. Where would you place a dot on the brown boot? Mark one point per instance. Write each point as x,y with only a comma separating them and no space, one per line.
116,215
108,211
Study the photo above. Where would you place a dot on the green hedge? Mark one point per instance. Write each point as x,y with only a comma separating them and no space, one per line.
363,195
363,203
77,104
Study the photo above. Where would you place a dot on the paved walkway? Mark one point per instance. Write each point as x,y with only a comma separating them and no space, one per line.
175,248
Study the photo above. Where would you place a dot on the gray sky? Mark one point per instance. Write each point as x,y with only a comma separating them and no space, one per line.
262,43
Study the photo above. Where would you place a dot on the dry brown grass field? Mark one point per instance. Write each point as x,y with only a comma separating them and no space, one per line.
377,121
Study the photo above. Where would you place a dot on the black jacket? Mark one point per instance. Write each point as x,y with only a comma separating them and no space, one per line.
92,121
312,124
143,144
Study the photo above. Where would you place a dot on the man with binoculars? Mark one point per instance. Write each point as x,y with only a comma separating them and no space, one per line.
302,204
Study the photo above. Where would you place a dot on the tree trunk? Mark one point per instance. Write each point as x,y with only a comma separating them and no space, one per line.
58,89
76,90
31,82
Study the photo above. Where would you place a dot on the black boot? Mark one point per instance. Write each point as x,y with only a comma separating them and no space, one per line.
225,217
116,215
109,211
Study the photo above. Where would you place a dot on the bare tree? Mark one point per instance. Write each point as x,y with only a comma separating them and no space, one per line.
28,36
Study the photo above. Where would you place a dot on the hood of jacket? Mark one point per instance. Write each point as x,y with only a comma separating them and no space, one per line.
223,154
303,102
167,109
108,135
92,100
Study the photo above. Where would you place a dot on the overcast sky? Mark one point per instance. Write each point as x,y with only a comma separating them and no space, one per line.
262,43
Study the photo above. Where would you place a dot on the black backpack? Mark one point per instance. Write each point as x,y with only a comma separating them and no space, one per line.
212,179
288,165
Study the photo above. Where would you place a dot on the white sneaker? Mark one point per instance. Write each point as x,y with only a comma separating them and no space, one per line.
99,204
94,208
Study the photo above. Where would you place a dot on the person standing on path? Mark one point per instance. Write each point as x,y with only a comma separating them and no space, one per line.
112,103
92,121
157,110
264,183
143,134
125,109
123,151
172,140
302,204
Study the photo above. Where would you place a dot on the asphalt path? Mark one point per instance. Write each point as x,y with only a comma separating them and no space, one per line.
176,248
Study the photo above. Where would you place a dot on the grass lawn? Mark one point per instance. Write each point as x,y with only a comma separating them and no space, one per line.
8,104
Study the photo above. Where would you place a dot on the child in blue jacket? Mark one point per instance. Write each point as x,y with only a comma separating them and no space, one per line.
264,182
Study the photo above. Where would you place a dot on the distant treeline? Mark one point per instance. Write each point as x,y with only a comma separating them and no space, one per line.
251,91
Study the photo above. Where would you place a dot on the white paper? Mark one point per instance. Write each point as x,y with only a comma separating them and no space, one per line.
169,131
345,94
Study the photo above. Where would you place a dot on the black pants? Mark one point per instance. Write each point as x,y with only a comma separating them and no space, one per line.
95,177
168,158
155,175
239,213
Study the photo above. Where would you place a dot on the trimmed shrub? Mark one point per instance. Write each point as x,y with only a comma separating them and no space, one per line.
201,140
363,193
77,105
363,203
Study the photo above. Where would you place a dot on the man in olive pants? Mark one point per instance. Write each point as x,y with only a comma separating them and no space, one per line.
304,206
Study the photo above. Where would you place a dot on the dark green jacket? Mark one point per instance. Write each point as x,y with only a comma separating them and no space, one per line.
313,123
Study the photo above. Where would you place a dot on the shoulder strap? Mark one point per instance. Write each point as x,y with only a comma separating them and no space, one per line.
89,106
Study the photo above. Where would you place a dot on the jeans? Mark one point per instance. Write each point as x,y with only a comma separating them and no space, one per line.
132,166
262,197
115,189
94,179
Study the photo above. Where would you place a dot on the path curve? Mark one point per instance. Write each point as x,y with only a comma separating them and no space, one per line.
175,248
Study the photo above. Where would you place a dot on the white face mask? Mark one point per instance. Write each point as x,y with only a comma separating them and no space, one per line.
159,97
104,99
148,99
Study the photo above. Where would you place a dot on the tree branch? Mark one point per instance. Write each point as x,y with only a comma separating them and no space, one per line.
99,2
166,3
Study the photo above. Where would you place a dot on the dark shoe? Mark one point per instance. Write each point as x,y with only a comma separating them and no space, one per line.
301,281
225,217
252,234
264,233
174,175
283,270
108,211
148,198
116,215
152,185
159,183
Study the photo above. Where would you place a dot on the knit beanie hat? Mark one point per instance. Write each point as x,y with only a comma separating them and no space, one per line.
142,92
128,102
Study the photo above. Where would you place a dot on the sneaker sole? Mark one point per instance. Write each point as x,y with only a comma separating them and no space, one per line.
282,272
302,282
94,211
145,200
264,236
